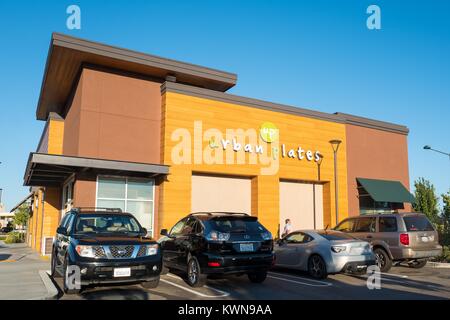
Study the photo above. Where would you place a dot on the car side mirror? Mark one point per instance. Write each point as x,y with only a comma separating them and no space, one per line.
144,232
62,230
164,232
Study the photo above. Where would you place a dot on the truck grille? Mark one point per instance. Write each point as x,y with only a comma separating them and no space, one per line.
120,252
99,252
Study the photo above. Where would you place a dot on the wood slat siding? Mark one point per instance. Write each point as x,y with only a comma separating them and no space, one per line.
47,215
181,111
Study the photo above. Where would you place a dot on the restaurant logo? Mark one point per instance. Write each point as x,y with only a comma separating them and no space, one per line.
269,132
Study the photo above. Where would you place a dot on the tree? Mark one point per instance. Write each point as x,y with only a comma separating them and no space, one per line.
446,218
21,215
426,199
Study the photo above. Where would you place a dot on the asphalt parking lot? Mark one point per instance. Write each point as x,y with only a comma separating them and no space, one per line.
400,283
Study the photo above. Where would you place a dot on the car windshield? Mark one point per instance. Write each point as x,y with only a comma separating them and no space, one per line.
334,235
236,225
417,223
105,223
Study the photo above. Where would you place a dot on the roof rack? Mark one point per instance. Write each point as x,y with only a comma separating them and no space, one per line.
219,213
96,209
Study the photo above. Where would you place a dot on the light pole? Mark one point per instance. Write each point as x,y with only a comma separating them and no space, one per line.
335,145
319,163
438,151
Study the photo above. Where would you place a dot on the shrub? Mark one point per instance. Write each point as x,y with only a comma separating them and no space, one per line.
445,256
14,237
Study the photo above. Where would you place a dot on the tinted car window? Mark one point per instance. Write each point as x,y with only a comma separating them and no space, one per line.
105,223
64,221
298,237
69,223
346,225
189,227
178,228
332,235
236,225
387,224
417,223
365,225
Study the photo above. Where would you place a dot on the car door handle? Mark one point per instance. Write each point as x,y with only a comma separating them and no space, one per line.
369,237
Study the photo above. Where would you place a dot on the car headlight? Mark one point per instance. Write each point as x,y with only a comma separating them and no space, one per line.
85,251
266,235
338,249
218,236
151,250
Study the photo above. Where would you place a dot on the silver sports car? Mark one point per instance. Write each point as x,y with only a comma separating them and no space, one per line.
323,252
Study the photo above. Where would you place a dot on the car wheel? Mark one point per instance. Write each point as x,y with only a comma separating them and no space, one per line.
194,277
383,260
257,277
164,269
67,286
150,284
317,267
53,272
417,264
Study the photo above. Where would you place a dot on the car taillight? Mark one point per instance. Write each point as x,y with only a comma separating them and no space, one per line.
213,264
404,239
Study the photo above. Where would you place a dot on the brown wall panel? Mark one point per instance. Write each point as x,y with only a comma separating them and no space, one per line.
114,117
374,154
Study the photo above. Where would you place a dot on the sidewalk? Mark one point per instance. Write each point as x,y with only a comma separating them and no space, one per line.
19,273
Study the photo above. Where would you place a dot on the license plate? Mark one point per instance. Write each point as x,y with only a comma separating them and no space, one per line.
122,272
246,247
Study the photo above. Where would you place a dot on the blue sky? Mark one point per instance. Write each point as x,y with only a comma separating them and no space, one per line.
313,54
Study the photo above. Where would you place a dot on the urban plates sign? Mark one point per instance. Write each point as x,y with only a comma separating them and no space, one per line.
270,134
235,147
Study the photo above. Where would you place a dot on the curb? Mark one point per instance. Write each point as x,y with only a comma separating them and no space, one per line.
52,291
438,265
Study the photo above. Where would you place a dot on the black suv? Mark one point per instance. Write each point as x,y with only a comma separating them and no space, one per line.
105,246
218,243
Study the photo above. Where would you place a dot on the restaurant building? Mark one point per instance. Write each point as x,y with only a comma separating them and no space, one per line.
161,138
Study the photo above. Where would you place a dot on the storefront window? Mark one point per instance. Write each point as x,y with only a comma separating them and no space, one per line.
129,194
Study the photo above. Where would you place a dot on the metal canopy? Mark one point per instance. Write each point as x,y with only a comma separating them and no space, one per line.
52,170
386,190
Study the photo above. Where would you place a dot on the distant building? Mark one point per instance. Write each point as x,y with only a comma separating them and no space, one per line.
5,217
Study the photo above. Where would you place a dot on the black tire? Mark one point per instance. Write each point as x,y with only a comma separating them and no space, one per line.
53,272
384,262
150,284
317,267
65,280
417,264
194,276
164,269
257,277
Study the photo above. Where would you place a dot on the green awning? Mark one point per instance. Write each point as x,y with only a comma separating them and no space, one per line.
386,190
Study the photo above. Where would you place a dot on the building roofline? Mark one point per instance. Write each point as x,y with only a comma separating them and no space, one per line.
67,54
57,168
265,105
373,124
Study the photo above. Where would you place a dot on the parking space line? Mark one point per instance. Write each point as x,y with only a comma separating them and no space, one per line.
394,275
299,277
324,284
221,293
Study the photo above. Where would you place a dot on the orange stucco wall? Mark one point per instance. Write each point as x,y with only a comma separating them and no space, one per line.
181,112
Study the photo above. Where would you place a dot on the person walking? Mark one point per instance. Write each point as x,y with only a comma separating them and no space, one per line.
287,228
